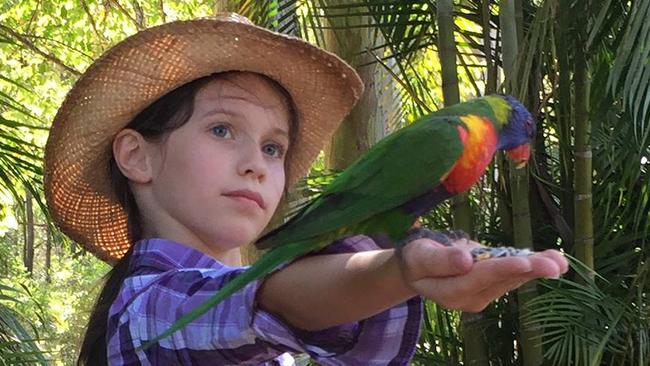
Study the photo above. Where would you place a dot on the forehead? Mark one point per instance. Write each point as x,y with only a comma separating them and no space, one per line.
244,90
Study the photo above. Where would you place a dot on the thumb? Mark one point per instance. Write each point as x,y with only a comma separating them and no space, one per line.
427,258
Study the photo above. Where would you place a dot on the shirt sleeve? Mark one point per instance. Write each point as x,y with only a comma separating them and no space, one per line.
387,338
221,336
235,332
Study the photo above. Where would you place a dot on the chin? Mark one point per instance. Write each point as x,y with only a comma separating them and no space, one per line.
232,230
238,237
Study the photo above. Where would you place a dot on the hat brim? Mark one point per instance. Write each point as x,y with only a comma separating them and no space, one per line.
147,65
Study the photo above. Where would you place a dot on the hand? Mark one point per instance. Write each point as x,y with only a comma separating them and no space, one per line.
448,275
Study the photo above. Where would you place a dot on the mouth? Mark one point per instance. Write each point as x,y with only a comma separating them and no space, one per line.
249,195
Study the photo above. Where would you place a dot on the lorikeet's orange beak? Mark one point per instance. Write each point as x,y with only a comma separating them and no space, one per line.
519,155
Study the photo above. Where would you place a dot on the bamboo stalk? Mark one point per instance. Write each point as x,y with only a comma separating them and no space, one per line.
491,84
563,113
462,212
529,335
584,233
475,347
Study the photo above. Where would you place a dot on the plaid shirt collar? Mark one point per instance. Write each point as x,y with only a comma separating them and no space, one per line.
163,255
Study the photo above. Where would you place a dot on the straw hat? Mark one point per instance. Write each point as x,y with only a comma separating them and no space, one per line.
147,65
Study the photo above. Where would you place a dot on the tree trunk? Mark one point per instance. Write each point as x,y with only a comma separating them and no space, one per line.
529,336
58,246
227,6
28,253
48,253
366,123
584,236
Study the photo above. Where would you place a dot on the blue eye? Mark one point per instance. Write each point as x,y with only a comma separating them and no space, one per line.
273,150
221,131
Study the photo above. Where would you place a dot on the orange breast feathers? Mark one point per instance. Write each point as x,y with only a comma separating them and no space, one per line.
480,143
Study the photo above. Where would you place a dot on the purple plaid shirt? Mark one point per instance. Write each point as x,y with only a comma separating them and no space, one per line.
167,279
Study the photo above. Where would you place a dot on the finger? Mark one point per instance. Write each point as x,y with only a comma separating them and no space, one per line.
456,292
448,296
490,294
545,266
494,277
498,290
485,297
495,271
557,257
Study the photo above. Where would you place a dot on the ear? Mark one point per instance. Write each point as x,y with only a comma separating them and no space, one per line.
131,154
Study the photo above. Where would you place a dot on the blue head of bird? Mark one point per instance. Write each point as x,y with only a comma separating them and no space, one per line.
516,136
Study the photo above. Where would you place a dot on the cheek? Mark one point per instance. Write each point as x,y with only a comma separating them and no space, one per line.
187,174
197,161
277,180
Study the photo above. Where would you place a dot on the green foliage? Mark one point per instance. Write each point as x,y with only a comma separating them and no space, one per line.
58,309
17,345
44,46
440,340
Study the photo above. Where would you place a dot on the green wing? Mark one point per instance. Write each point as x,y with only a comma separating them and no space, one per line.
479,106
400,167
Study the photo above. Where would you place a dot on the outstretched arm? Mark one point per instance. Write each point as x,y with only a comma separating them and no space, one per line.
322,291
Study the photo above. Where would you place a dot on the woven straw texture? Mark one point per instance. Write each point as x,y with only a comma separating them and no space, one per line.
145,66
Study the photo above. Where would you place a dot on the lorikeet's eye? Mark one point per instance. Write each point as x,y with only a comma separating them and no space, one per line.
530,127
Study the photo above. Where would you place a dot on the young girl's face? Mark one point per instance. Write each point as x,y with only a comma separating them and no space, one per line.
218,179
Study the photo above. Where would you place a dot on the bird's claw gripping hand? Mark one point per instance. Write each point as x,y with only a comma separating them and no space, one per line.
444,237
448,237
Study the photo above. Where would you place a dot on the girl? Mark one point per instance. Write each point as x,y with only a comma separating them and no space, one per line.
175,149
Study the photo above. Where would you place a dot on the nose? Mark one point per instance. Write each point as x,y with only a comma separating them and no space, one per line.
251,160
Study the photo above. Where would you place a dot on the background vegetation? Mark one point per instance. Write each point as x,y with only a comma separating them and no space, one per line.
581,66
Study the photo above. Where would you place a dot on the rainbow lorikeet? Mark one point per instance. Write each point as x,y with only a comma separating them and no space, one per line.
400,178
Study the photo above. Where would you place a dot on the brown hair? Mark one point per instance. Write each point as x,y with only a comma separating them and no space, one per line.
155,122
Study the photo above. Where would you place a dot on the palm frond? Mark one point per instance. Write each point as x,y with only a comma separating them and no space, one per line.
630,76
20,161
17,345
582,322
